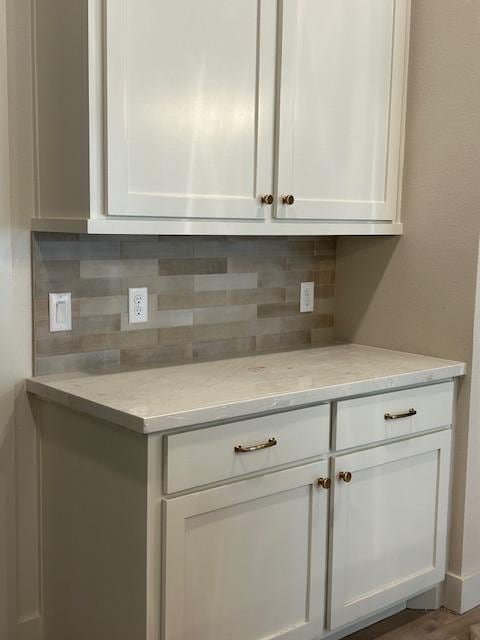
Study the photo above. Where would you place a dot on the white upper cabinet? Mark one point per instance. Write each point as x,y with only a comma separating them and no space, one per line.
251,117
190,107
340,108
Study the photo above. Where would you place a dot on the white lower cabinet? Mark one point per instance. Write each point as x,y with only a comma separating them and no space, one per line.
264,551
389,525
247,561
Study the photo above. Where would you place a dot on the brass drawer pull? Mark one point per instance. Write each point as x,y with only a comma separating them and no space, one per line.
267,199
346,476
288,200
272,442
397,416
326,483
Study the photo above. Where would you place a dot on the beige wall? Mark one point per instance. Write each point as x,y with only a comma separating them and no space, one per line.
18,466
417,293
7,441
22,192
471,533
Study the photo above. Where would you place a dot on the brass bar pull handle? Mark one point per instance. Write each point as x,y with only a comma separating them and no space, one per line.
272,442
398,416
346,476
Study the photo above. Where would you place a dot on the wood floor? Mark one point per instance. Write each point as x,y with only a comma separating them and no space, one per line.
416,625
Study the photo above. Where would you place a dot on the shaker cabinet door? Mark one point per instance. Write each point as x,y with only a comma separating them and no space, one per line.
247,561
190,107
389,525
343,68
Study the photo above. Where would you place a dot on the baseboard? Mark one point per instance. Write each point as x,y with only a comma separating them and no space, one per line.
461,593
30,628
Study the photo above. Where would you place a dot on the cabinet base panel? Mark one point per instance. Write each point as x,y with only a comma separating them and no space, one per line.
365,622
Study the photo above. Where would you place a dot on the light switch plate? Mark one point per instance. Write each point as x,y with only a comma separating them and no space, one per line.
60,312
307,297
138,305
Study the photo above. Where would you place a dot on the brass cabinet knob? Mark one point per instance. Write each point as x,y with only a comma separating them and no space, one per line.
288,200
326,483
346,476
267,199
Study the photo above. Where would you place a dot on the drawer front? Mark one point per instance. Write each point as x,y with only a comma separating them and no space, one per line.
391,415
218,453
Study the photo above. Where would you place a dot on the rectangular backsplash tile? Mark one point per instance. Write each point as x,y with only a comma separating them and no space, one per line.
208,298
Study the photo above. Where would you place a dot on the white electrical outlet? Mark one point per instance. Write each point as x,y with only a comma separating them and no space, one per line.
60,311
307,297
138,305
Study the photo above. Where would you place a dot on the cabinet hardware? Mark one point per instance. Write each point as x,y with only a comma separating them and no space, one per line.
397,416
326,483
346,476
272,442
288,200
267,199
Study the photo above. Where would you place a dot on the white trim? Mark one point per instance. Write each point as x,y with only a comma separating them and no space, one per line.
401,150
132,226
96,107
462,593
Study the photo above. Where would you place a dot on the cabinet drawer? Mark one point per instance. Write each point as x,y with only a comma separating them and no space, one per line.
390,415
217,453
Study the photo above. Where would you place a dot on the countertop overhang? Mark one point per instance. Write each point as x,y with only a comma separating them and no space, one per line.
173,397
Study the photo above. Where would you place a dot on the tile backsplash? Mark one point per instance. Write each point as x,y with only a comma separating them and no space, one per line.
208,298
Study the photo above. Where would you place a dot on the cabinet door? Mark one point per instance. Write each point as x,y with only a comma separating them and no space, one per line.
190,102
389,525
341,108
247,561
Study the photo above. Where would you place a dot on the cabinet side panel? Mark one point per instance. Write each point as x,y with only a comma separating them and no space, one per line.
62,100
94,527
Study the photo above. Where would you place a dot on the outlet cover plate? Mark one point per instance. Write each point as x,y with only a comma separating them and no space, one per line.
138,305
307,297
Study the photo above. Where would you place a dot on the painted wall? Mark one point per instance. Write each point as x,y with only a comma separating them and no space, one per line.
16,351
7,438
418,293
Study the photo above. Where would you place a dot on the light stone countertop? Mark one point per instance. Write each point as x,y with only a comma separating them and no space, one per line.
164,398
